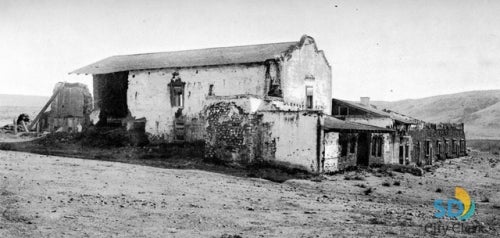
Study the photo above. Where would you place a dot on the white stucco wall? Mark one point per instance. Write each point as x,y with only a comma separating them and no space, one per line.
307,67
395,153
332,151
148,93
388,148
295,134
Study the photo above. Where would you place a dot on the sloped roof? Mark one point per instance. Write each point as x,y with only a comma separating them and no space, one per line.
364,108
403,118
378,112
334,124
188,58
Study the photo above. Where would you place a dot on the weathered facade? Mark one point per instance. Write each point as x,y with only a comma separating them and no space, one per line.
433,142
412,142
70,109
349,144
256,103
247,103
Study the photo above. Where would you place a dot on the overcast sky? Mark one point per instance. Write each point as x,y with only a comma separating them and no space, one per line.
387,50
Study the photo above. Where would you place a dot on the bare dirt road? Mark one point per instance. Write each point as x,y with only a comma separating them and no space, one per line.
50,196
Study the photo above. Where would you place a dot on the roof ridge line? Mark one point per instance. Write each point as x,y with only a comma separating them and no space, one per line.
210,48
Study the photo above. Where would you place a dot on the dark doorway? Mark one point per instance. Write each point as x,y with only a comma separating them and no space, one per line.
110,96
363,149
401,154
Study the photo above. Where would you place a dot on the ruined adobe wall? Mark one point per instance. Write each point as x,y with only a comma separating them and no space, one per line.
429,133
350,159
426,132
232,133
237,134
388,149
149,95
396,143
332,152
71,108
292,137
73,100
347,161
334,160
306,66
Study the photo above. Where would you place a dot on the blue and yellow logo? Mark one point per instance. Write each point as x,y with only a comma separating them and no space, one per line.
462,208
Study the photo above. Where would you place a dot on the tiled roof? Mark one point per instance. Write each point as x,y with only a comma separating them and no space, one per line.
188,58
334,124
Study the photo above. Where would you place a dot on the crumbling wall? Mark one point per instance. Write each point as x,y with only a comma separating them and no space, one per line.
149,96
71,108
340,151
347,161
375,157
433,134
405,144
306,66
231,133
349,158
73,100
348,146
396,142
332,151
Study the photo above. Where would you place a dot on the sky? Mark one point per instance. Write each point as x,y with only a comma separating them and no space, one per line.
387,50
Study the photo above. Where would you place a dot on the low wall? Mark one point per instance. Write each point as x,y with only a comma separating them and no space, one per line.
236,134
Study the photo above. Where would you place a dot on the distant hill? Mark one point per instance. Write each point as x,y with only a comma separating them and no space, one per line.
13,105
479,110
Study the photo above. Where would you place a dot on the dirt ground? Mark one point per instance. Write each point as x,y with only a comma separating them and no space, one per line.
51,196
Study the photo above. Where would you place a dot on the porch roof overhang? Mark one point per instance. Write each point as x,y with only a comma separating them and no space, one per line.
336,125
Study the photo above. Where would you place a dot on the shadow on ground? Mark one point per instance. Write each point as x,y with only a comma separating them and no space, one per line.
117,146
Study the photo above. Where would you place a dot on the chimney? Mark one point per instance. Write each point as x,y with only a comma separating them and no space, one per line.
365,101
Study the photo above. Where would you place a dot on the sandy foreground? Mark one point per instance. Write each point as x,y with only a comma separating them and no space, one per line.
50,196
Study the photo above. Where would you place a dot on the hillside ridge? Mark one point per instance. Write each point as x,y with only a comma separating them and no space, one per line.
479,110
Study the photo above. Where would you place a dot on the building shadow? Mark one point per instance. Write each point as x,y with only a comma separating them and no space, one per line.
183,156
